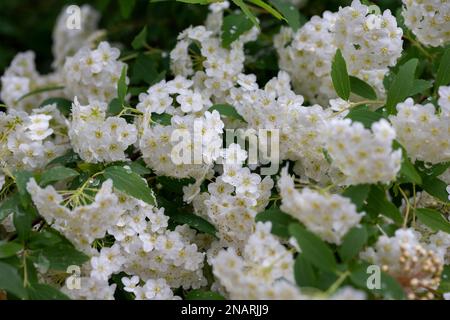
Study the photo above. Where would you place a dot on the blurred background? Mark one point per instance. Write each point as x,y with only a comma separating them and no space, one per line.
28,24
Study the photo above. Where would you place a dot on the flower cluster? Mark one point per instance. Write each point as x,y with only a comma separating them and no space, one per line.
428,20
423,130
97,138
92,75
30,141
330,216
369,42
363,155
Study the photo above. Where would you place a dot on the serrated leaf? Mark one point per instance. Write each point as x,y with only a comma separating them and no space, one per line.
140,40
57,174
280,221
227,111
443,73
313,248
130,183
198,294
339,76
353,242
433,219
402,85
11,281
362,88
233,26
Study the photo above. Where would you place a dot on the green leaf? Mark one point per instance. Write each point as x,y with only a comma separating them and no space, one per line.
357,194
61,255
145,69
227,111
64,105
126,7
362,88
443,73
313,248
444,285
9,249
11,281
122,85
377,203
57,174
163,118
408,172
267,7
9,205
436,187
353,242
67,158
402,85
246,10
365,116
140,40
233,26
433,219
198,294
303,272
130,183
193,221
419,86
22,178
115,106
339,75
23,222
280,221
289,11
40,90
38,291
389,287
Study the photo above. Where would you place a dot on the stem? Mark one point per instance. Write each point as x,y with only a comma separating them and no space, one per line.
408,205
337,283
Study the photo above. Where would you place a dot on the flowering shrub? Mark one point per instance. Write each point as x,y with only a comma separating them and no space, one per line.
275,150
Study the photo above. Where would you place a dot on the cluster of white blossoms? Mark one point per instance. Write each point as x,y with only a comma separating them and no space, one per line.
369,42
234,199
423,130
92,75
415,266
363,155
214,68
264,270
330,216
30,141
429,20
192,142
300,127
67,41
21,78
177,134
97,138
83,224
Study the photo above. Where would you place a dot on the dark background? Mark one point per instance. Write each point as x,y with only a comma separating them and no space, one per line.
27,25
